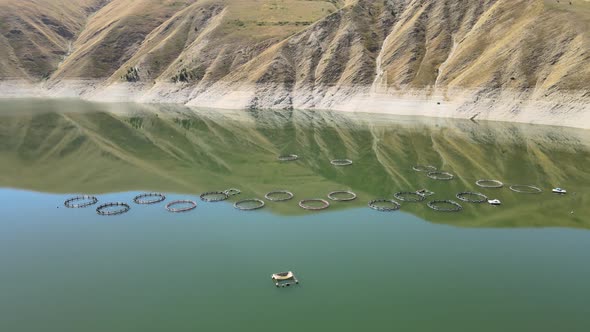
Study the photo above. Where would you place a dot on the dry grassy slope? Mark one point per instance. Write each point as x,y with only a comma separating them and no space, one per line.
296,47
35,35
162,38
493,44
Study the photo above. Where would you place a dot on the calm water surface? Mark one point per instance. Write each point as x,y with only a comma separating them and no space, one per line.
519,267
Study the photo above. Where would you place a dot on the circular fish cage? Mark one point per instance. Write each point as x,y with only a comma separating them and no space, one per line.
90,200
472,197
486,183
304,204
394,205
341,162
410,197
218,196
141,199
452,206
424,168
283,195
288,157
441,176
525,189
334,196
242,205
425,192
103,209
232,192
190,205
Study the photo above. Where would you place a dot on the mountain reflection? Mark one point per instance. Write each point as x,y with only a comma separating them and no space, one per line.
75,147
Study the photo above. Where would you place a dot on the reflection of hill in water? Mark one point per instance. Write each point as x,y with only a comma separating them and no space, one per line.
174,149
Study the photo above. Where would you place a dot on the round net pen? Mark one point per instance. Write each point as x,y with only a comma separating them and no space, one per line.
279,196
149,198
445,206
181,206
341,162
525,189
288,157
390,205
424,168
486,183
104,210
337,196
410,197
249,204
306,204
80,202
214,196
441,176
472,197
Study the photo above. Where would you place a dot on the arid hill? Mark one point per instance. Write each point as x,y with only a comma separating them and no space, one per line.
520,60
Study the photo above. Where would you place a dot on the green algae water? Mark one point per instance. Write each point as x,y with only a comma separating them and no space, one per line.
522,266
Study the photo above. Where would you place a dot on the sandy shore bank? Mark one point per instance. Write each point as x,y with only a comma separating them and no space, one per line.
570,109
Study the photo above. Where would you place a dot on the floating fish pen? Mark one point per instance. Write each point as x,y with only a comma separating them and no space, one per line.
279,196
288,157
472,197
425,192
341,162
525,189
424,168
485,183
149,198
232,192
445,206
305,204
441,176
103,210
188,206
214,196
377,204
349,196
410,197
284,279
246,204
84,201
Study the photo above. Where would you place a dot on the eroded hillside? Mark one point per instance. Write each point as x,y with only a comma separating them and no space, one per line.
508,54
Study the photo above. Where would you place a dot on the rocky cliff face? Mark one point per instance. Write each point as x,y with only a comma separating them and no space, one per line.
496,58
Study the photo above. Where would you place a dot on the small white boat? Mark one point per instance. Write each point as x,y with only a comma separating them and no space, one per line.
559,191
494,202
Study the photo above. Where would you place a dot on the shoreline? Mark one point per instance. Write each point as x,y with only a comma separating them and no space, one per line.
571,109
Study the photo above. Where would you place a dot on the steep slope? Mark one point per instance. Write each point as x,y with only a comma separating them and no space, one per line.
521,46
519,60
36,35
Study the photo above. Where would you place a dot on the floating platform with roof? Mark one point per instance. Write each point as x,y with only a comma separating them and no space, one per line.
284,279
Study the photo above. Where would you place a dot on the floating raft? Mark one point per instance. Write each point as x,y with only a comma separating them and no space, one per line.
560,191
284,279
